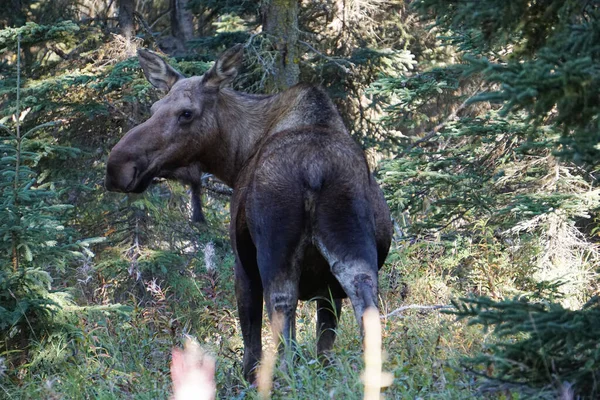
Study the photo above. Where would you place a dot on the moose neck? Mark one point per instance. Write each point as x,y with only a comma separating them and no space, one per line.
243,120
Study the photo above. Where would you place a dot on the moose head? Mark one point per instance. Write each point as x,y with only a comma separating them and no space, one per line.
182,126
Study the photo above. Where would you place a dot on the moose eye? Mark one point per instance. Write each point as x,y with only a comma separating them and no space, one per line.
185,116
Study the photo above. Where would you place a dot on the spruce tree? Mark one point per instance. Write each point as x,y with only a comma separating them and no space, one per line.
37,241
499,163
33,235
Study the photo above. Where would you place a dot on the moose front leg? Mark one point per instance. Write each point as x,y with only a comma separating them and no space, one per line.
196,199
250,304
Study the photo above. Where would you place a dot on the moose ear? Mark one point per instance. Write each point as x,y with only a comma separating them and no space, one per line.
160,74
226,68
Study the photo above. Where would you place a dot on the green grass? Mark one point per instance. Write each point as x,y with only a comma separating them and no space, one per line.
130,359
127,356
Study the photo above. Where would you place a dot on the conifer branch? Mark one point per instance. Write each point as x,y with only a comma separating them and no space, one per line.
451,117
15,239
129,118
7,130
42,126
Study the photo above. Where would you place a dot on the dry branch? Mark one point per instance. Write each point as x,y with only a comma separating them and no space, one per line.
326,57
215,187
416,307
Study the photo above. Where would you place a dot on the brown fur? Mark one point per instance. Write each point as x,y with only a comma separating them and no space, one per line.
307,218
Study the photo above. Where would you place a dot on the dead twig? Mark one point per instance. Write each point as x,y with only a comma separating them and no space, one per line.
326,57
159,18
215,187
416,307
70,55
144,24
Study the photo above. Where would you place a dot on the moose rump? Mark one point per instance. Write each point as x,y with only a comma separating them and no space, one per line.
308,221
303,228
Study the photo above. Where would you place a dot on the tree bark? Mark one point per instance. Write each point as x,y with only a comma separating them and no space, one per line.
126,21
280,22
182,22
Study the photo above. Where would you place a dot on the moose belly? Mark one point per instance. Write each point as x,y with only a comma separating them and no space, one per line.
316,280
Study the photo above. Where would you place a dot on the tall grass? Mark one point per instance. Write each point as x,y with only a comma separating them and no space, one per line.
127,357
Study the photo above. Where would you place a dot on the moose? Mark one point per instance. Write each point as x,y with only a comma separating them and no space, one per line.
308,219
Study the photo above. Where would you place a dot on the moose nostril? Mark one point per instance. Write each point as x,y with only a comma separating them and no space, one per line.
121,176
133,179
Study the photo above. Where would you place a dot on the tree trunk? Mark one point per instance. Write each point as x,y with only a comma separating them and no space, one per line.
280,22
126,22
182,22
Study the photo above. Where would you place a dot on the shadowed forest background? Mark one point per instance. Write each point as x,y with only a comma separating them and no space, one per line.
480,120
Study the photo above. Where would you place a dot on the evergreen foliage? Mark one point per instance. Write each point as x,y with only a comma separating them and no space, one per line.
35,241
479,118
499,151
541,57
32,33
541,346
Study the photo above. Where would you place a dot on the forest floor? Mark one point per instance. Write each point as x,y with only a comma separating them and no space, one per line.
126,355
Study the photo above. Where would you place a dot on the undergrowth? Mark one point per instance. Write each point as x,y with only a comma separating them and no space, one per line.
127,355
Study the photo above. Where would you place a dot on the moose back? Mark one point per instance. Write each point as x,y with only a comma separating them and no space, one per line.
308,221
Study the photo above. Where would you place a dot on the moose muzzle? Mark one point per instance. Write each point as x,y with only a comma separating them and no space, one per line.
120,176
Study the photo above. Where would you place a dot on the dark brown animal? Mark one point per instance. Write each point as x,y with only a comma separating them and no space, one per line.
308,221
191,176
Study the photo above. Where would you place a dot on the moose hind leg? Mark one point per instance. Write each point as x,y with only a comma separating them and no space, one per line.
281,307
328,314
359,281
280,249
345,237
281,291
356,271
